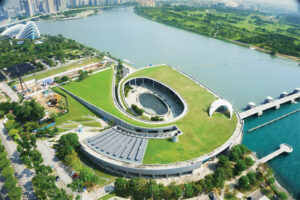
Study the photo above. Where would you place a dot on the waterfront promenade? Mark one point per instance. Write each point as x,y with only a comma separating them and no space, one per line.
273,104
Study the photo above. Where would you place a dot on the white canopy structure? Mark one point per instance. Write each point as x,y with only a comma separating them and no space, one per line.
23,31
218,104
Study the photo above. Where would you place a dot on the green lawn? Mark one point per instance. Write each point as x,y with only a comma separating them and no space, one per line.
201,134
107,196
62,69
76,110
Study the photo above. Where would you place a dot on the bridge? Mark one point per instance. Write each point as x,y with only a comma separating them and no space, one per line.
258,110
284,148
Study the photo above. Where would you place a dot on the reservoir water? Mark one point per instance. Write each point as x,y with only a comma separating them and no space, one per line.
237,73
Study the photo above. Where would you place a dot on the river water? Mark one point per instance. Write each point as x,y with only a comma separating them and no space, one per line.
235,72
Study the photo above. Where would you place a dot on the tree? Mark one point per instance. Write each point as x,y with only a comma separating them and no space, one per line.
57,80
7,172
15,193
271,180
10,182
153,190
13,132
176,190
121,187
219,178
88,177
223,161
2,113
249,161
188,190
29,111
4,162
252,177
244,182
283,195
82,75
67,144
64,78
30,126
240,166
10,124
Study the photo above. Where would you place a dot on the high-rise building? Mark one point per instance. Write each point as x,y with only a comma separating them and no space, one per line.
148,3
28,6
50,7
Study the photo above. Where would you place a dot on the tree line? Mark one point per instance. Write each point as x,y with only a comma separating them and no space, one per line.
21,126
229,166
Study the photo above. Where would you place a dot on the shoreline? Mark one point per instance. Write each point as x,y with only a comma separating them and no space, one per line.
291,58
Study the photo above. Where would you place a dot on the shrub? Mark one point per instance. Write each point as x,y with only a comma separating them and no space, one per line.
244,182
64,78
156,118
249,161
2,113
282,195
137,110
252,177
13,132
271,180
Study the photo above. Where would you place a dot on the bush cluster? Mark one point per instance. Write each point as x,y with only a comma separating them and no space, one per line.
137,110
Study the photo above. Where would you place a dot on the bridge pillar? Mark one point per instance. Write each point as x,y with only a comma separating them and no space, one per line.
260,113
293,101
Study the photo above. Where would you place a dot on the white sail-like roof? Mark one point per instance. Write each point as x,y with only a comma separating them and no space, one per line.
23,31
220,103
12,31
29,31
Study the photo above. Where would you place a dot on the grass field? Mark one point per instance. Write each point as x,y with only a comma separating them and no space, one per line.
201,134
76,110
61,69
263,30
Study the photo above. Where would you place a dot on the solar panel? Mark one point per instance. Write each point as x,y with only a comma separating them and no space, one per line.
115,144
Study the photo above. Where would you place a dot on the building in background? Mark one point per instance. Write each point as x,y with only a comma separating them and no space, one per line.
148,3
28,6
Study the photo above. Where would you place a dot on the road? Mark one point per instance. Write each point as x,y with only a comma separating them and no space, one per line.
23,174
50,159
7,90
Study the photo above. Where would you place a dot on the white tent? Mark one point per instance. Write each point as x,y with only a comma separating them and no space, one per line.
220,103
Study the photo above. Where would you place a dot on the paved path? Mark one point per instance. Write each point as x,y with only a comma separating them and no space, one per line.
23,174
283,148
50,159
12,94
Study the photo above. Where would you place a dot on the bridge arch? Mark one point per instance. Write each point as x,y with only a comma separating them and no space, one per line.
218,104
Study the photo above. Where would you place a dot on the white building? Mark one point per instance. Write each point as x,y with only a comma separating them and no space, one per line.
23,31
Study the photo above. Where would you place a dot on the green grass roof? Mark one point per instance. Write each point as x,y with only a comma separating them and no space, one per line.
201,134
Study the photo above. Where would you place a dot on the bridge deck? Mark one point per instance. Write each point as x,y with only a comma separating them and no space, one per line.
267,106
283,148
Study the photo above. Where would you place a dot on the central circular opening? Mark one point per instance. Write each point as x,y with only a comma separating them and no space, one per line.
152,102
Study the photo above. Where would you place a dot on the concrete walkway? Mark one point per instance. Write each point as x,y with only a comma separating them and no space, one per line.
23,174
7,90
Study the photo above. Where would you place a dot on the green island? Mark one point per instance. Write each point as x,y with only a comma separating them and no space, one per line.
201,134
266,32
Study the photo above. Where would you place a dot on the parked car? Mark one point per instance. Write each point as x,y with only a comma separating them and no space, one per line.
249,198
72,173
74,176
57,178
211,196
